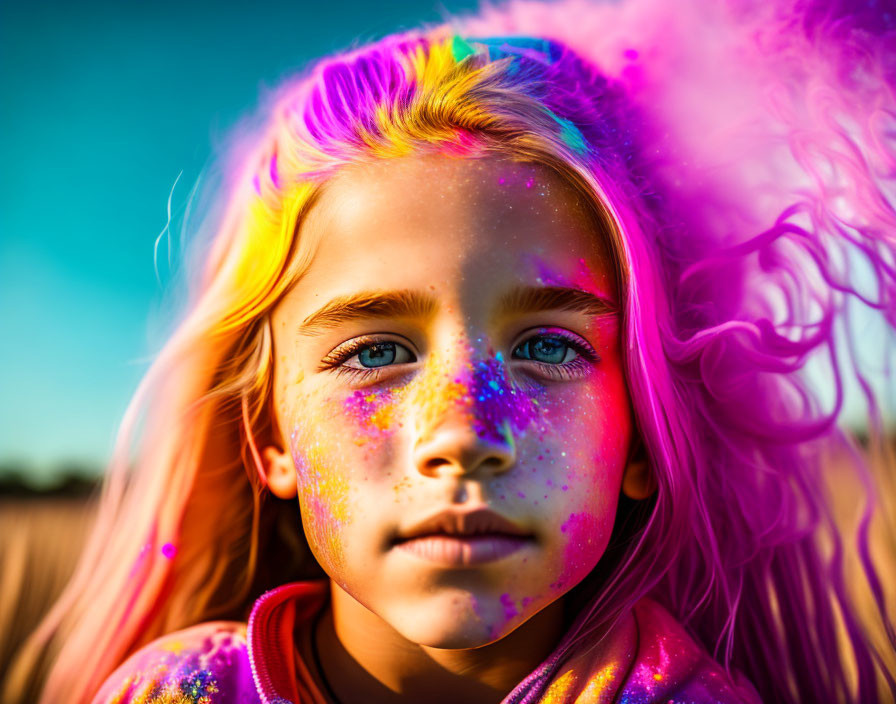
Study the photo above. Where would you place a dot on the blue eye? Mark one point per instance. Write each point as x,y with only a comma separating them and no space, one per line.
379,354
548,350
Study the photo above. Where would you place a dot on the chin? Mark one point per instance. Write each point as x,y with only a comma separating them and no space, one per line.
460,624
475,635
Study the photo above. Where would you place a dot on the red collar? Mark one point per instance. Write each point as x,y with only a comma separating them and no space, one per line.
271,641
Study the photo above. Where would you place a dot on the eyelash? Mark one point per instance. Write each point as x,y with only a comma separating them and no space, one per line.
335,360
585,357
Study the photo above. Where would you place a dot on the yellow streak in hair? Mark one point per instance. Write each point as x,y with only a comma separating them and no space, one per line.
259,273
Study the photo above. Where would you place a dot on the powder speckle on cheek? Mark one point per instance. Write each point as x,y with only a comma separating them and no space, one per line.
510,609
400,487
584,537
324,497
373,413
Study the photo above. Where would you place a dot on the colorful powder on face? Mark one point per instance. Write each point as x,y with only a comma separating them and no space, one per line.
584,537
502,409
404,483
510,609
584,278
324,497
438,391
374,413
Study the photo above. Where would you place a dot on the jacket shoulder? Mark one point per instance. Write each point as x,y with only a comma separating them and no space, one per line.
673,667
203,664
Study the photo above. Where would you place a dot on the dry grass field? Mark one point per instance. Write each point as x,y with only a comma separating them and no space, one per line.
41,536
40,539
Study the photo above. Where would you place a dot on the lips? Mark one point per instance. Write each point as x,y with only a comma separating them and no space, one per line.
462,538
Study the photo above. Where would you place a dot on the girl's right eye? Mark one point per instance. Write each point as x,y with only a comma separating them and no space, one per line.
381,354
365,356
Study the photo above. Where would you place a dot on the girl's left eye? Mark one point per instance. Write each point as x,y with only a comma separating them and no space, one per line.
558,354
548,350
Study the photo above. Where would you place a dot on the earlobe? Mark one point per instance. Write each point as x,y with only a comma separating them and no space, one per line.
279,472
638,482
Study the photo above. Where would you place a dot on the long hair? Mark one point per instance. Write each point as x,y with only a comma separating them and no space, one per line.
736,252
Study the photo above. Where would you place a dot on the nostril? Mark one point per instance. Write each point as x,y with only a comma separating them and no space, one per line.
495,464
436,464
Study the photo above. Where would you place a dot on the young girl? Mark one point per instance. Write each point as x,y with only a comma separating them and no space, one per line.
519,324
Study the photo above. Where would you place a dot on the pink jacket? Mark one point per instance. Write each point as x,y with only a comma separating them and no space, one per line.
649,659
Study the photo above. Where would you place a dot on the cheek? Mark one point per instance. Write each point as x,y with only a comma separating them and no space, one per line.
580,452
368,417
323,499
582,539
340,445
593,419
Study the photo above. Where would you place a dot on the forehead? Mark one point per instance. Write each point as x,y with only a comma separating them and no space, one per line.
424,221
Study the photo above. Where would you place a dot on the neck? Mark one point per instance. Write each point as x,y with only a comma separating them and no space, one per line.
365,660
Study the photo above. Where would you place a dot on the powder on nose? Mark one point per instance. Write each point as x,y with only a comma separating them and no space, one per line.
501,407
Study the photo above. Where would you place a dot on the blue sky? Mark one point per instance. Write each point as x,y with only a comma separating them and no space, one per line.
103,105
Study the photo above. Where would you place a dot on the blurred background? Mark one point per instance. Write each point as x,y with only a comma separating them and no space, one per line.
108,113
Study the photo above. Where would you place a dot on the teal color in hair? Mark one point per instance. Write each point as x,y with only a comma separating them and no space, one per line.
533,48
460,49
570,134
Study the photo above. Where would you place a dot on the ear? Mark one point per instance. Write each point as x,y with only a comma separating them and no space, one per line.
273,463
638,481
279,472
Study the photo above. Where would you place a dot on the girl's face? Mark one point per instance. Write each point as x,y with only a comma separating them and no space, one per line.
449,389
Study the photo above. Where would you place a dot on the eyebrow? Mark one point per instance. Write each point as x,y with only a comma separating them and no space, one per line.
369,304
417,304
532,299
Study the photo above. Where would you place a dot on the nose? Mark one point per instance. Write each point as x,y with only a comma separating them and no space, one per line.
458,450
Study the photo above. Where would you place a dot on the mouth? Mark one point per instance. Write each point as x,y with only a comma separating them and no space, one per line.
463,538
463,550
